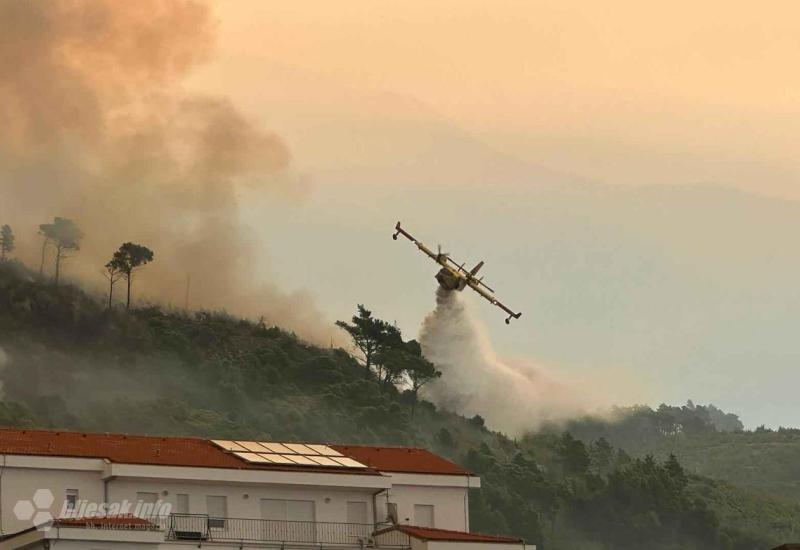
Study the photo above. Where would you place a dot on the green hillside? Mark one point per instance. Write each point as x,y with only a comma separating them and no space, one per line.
707,442
71,363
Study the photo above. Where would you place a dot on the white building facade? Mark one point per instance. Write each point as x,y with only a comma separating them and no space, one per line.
105,491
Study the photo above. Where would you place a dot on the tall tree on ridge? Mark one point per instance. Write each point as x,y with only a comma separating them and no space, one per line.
370,336
113,273
64,235
130,258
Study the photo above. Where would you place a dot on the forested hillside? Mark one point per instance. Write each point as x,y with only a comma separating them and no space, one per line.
706,441
68,361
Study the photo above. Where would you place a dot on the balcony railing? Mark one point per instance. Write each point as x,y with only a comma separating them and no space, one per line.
203,528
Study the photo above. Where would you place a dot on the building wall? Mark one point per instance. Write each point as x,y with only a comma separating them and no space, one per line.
20,484
450,505
243,489
244,500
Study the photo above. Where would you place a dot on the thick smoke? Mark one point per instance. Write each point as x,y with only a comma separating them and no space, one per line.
94,126
512,397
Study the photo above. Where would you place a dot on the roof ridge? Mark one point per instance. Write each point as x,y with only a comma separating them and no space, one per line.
212,438
109,434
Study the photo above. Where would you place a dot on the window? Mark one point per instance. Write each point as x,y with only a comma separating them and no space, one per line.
423,515
357,520
72,499
217,508
287,510
300,510
281,512
181,504
146,504
357,512
147,498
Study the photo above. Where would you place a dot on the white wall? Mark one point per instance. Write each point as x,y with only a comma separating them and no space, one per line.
244,500
449,505
330,492
21,483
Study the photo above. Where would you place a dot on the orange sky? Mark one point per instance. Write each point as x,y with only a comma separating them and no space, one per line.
468,121
623,91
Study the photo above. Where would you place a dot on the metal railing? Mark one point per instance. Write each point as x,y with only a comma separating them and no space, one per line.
204,528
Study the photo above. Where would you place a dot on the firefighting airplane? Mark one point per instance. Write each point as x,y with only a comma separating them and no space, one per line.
454,277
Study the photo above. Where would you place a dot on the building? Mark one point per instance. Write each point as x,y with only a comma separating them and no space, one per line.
113,491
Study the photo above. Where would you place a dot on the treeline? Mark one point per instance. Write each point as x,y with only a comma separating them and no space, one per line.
63,237
707,441
631,427
73,363
593,496
384,354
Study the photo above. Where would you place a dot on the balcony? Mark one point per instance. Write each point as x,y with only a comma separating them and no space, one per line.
202,528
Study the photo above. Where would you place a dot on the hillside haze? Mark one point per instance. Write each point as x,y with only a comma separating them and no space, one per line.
71,363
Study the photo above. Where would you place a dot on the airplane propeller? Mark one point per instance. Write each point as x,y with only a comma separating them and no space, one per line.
445,254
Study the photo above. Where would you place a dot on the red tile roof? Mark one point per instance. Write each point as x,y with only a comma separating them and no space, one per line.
137,449
402,460
429,533
192,451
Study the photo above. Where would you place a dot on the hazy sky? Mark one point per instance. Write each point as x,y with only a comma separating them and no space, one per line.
627,169
629,92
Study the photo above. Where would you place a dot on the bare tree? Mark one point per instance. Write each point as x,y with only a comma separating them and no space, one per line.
113,273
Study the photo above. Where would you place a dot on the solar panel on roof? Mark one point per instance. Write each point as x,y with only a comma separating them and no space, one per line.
252,446
348,462
250,457
324,450
262,452
229,445
305,460
281,459
277,448
324,461
300,449
266,457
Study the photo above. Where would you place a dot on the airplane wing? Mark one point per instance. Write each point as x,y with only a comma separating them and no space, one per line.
440,259
445,261
476,286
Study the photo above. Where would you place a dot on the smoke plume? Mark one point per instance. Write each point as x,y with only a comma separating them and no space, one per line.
512,397
95,127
